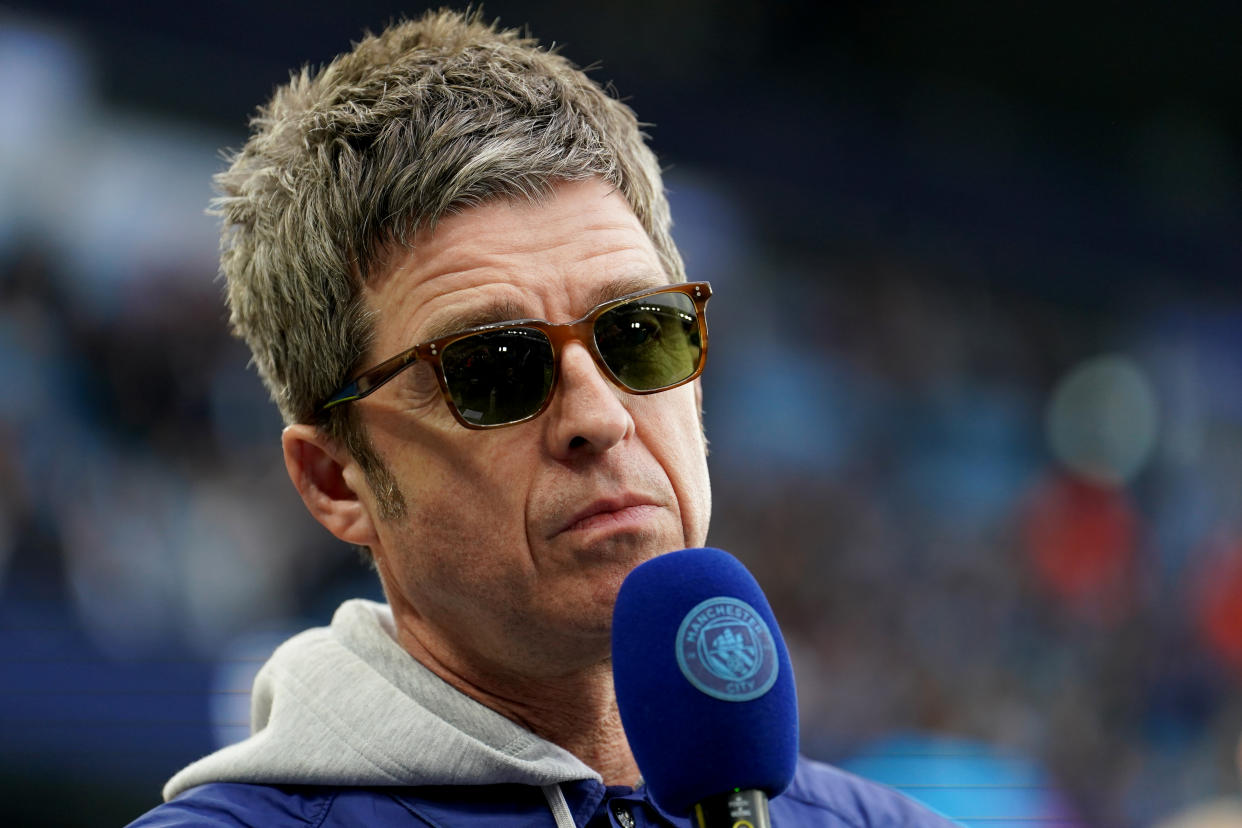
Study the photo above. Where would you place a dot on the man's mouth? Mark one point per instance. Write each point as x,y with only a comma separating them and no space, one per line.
611,513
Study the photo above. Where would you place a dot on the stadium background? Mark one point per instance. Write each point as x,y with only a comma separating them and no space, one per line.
975,398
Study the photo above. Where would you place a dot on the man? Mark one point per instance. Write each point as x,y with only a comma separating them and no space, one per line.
440,178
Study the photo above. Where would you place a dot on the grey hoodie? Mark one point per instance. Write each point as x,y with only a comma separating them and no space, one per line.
345,705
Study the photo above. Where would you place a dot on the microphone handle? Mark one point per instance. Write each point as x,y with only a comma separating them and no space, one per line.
736,809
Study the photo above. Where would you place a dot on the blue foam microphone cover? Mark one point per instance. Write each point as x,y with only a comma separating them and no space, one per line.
703,680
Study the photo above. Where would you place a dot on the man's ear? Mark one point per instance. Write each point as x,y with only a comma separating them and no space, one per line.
328,479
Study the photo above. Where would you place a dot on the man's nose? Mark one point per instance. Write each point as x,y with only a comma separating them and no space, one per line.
587,415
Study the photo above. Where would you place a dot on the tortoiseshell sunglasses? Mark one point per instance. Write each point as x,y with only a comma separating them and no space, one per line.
505,373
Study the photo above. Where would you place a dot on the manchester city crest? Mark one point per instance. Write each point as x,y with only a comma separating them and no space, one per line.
725,649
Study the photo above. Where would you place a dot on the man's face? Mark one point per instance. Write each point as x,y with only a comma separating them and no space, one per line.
516,539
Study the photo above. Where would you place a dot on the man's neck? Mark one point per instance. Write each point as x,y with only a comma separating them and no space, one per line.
576,711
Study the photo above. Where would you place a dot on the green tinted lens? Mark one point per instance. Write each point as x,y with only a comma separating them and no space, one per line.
498,377
652,342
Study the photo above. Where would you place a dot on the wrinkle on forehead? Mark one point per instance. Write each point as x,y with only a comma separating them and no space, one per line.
447,226
476,255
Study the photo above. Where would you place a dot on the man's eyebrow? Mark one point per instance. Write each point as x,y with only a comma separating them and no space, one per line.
503,310
616,288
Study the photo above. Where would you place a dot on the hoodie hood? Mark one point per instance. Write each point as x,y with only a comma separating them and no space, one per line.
346,705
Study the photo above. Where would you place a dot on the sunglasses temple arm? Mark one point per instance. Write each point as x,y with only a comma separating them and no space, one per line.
347,394
371,380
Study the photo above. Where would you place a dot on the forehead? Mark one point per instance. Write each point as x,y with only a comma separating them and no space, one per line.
552,259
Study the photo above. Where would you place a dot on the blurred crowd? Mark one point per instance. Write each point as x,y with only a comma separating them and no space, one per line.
995,522
971,525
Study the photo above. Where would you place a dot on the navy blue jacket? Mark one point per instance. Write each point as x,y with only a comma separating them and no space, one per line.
819,796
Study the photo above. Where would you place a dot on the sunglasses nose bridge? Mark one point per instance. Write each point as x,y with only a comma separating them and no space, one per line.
583,332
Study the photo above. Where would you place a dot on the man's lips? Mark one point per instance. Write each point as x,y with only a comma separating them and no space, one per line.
606,512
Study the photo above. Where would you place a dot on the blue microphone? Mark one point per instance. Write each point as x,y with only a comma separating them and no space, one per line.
705,688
